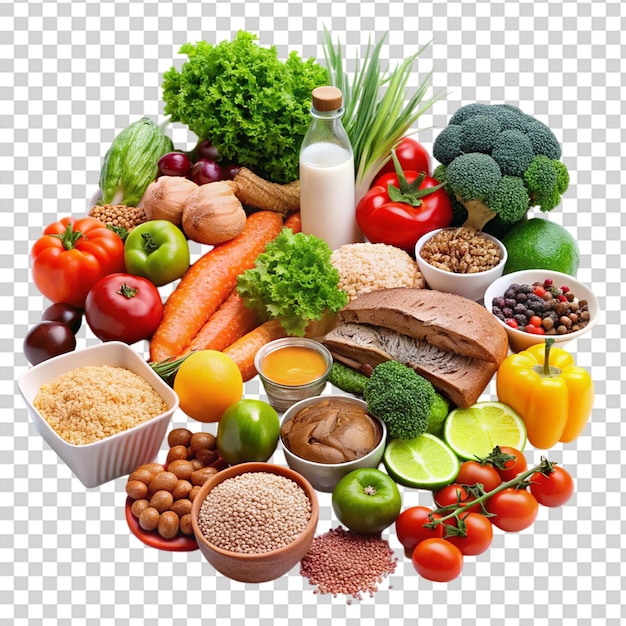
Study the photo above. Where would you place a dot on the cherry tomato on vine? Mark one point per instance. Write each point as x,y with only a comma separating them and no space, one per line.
410,528
513,467
479,534
437,560
513,509
472,472
455,494
552,490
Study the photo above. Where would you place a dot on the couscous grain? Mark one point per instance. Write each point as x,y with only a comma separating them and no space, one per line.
254,513
366,267
90,403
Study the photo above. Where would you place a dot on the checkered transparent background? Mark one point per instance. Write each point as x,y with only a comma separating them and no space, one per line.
73,74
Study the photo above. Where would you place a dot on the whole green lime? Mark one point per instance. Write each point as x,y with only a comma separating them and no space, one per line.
541,244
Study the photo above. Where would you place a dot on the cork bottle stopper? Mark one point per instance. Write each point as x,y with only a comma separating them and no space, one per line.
327,98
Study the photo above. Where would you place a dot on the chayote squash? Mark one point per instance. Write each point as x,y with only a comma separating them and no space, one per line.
131,163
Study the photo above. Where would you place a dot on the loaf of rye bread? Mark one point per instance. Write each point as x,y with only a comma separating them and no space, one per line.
452,341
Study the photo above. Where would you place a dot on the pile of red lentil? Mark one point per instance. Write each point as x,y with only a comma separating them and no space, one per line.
341,562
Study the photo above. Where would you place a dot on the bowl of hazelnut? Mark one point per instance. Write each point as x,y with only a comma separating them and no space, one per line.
460,260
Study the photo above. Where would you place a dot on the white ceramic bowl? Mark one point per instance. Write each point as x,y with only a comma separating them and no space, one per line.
324,476
102,461
470,286
520,340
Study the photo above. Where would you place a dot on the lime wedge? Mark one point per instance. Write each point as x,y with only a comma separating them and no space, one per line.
424,462
475,431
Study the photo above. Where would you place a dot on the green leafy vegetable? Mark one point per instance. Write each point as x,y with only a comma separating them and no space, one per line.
293,280
253,107
379,110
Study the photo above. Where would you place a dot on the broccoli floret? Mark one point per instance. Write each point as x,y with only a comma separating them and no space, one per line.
472,176
546,180
543,140
481,147
510,117
510,199
447,145
479,133
469,110
437,416
513,152
401,398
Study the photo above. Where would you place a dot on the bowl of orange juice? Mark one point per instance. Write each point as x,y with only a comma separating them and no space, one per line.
293,369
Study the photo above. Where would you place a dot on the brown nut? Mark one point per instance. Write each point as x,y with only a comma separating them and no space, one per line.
202,441
138,506
181,507
200,476
185,525
168,525
179,437
196,464
153,468
136,489
181,468
194,492
181,489
149,518
162,500
164,480
175,453
206,457
142,475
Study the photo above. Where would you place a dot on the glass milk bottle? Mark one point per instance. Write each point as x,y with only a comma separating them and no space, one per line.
327,187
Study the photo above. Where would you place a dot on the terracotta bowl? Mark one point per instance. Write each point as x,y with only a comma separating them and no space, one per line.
255,568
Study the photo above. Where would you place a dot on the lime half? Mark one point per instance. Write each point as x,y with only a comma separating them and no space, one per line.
424,462
475,431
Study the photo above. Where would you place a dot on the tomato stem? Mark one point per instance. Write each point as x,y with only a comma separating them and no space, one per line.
409,193
454,510
69,237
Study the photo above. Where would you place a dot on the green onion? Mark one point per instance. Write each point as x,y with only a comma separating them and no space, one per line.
377,111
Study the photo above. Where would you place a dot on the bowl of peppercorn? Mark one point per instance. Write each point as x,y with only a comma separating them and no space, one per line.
535,304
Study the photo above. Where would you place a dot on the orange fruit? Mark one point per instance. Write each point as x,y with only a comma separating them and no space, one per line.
207,383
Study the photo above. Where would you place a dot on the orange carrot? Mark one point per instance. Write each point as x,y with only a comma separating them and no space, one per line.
294,222
232,320
244,350
208,282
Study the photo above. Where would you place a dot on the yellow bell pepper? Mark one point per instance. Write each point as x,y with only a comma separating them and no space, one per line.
550,392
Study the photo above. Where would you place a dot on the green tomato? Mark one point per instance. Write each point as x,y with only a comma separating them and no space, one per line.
158,251
366,501
248,431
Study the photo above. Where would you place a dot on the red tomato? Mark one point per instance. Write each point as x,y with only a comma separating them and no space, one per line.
479,534
72,255
513,509
513,467
123,307
438,560
552,490
412,156
472,472
455,494
399,223
410,526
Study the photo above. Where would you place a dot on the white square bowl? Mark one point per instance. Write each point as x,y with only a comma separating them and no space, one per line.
102,461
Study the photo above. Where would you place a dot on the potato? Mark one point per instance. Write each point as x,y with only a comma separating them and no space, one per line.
149,518
136,489
200,476
181,468
162,500
164,480
179,437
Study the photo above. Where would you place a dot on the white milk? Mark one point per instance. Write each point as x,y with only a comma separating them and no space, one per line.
327,194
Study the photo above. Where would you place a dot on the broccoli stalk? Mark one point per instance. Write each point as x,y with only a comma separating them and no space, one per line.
497,161
401,398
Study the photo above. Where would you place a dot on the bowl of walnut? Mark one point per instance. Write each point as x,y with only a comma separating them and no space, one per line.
460,260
